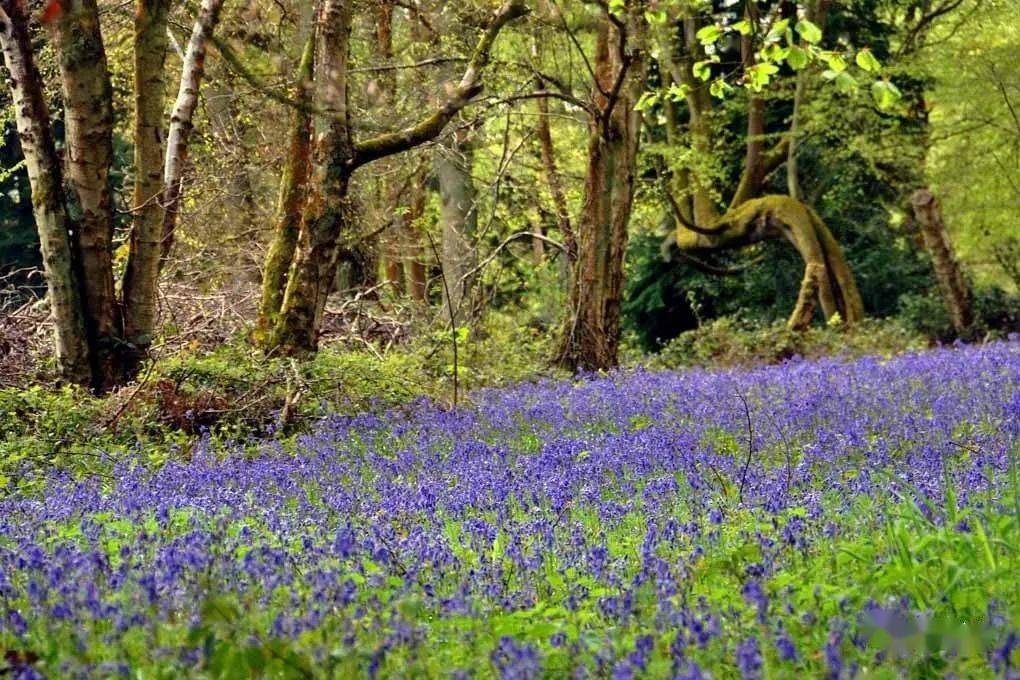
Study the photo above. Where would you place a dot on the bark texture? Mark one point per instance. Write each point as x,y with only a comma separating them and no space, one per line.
147,212
181,119
88,111
955,292
46,179
293,186
325,212
591,337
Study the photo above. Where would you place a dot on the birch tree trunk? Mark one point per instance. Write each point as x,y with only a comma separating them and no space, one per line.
181,119
88,111
46,179
142,272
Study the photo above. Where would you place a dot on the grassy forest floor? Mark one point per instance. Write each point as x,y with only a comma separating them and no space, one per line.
232,516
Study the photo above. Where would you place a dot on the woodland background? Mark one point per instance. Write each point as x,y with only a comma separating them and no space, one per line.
490,240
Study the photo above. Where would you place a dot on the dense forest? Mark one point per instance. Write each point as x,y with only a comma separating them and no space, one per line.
697,271
600,174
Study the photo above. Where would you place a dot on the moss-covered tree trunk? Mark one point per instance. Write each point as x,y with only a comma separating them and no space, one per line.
750,218
46,179
955,292
147,211
758,219
325,212
591,335
293,188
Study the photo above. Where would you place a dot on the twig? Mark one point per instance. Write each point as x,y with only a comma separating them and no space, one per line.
453,322
750,446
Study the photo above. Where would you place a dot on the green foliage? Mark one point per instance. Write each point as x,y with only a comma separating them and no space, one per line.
996,312
731,342
40,426
797,46
226,396
974,161
19,243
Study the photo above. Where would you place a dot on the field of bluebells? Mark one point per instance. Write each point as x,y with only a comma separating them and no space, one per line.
816,519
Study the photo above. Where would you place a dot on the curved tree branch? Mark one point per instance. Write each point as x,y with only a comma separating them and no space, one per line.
469,87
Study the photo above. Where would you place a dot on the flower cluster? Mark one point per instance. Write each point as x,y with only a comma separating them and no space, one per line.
817,518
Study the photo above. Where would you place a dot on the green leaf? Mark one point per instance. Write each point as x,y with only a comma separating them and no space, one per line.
660,17
759,75
219,609
617,7
709,34
845,83
778,30
809,31
797,57
834,61
647,101
719,88
743,27
867,61
703,70
774,52
677,92
886,94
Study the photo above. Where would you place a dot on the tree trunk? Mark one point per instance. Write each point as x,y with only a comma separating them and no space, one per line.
88,110
459,211
804,312
314,267
592,333
955,291
415,249
142,272
553,179
293,187
382,90
46,179
750,219
754,167
181,125
325,213
774,216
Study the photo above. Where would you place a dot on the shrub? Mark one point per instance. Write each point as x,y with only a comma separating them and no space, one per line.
996,312
730,341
